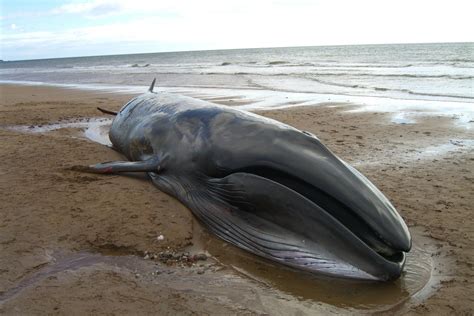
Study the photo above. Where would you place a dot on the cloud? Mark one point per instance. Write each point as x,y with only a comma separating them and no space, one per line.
100,8
210,24
91,8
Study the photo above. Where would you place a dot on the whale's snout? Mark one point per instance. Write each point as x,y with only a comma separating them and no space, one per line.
375,237
351,198
389,233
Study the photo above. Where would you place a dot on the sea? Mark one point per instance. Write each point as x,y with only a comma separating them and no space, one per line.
406,79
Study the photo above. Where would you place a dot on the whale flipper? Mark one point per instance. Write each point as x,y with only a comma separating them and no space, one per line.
105,111
149,165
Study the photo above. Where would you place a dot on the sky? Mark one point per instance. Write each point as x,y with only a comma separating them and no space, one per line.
33,29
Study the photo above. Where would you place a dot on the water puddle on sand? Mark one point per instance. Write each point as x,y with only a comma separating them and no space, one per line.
419,276
60,262
95,129
245,276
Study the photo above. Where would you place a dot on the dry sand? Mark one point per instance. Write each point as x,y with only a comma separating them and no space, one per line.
74,243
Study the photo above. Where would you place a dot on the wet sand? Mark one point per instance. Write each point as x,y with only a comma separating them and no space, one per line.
81,243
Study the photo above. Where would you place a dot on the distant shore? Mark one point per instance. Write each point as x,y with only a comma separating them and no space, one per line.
51,212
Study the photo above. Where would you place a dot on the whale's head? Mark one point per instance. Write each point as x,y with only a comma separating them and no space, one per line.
298,203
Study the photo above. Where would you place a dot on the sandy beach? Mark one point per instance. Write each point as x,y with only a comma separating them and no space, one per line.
76,243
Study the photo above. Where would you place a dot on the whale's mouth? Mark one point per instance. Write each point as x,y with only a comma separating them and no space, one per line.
342,213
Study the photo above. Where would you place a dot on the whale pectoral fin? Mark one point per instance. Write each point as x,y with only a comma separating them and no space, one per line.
105,111
149,165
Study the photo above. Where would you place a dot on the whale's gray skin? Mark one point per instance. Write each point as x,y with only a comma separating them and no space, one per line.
262,185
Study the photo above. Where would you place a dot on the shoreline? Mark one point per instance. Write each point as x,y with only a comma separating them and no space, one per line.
74,212
402,110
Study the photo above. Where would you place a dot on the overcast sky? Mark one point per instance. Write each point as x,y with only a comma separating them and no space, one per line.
42,29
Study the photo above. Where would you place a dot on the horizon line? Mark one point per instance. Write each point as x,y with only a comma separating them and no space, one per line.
229,49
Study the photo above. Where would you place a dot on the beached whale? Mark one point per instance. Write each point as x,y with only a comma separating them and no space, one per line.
261,185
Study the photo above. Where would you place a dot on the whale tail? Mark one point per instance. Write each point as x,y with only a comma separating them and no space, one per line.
152,85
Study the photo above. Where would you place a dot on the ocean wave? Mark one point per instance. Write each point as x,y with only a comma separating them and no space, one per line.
338,64
335,64
331,83
249,71
461,60
277,62
139,66
445,95
350,74
386,89
457,65
310,75
227,63
420,76
355,93
342,65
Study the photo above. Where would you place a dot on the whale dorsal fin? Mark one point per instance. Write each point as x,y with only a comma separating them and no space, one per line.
152,85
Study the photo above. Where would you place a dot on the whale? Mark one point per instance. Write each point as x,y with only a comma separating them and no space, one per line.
261,185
